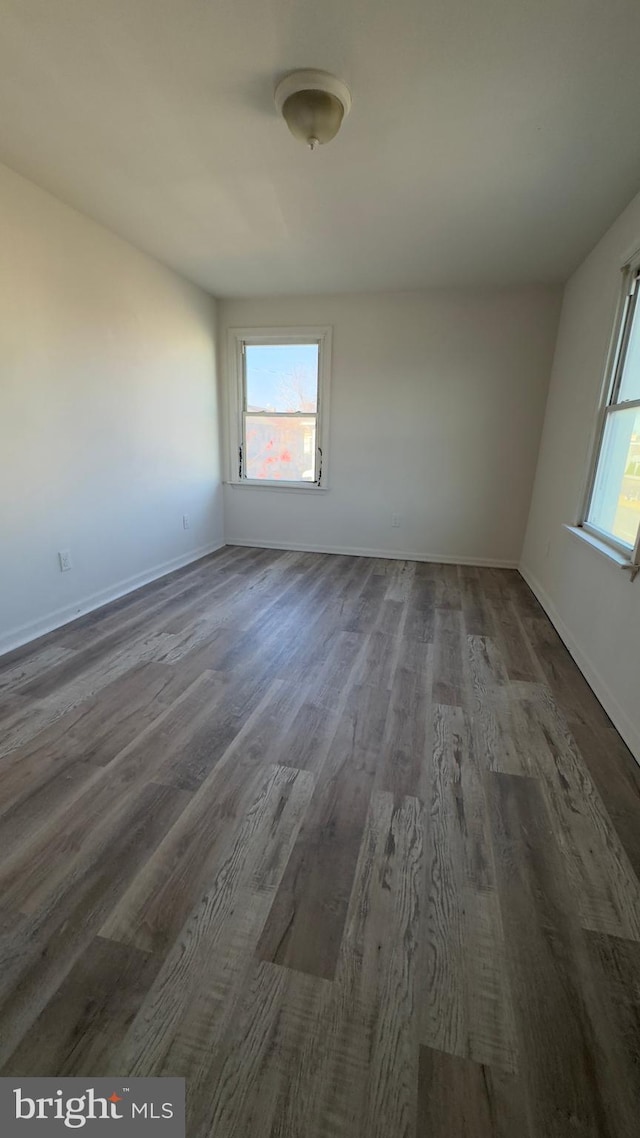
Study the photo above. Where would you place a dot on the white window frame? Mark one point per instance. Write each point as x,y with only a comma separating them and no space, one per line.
238,339
628,310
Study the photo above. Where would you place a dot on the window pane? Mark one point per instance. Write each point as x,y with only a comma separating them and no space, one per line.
283,449
281,377
615,505
630,386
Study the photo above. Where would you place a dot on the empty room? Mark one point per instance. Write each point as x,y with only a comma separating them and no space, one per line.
320,568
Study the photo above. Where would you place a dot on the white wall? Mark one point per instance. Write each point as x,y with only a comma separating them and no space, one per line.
108,415
437,401
591,600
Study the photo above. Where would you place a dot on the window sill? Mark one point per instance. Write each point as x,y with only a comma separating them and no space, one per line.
279,487
614,555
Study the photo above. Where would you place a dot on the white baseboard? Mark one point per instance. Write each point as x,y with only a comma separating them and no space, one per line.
390,554
16,637
616,713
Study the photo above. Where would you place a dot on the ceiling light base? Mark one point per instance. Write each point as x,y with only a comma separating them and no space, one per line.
313,105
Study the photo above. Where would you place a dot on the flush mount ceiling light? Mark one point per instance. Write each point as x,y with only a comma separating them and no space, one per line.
313,105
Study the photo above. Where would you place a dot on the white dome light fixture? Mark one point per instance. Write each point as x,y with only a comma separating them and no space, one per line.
313,105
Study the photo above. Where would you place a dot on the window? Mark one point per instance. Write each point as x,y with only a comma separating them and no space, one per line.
613,505
278,412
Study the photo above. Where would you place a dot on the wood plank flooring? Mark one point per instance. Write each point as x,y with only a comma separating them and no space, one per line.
347,843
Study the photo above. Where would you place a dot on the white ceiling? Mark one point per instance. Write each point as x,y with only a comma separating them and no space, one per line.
490,141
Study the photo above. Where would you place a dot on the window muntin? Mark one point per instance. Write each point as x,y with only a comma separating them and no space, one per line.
278,417
613,509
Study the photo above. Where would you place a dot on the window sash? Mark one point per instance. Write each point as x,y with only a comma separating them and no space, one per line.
622,334
317,456
590,526
626,325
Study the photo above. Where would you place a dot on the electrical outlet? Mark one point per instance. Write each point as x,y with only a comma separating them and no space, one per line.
396,520
64,557
186,521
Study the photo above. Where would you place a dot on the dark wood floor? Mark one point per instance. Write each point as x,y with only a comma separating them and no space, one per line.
348,843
